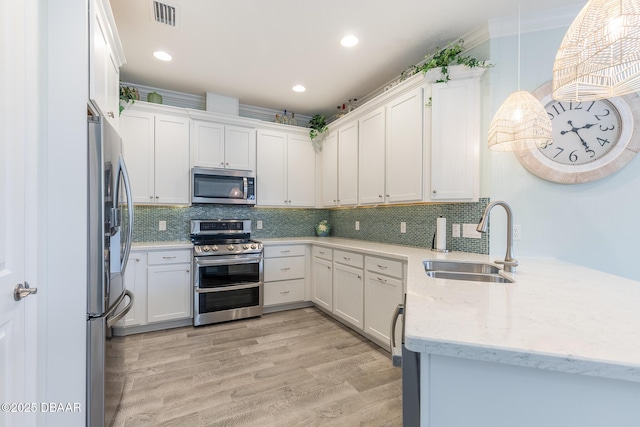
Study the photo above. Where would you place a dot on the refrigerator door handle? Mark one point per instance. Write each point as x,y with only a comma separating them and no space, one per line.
396,353
116,317
127,189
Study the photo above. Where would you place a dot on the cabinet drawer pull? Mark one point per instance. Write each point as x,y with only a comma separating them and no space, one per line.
168,257
321,252
285,252
285,269
380,279
284,292
346,258
359,276
328,267
382,267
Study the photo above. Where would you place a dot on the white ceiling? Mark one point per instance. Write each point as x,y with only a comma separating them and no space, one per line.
256,50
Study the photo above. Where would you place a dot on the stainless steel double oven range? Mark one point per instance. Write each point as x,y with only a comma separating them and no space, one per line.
228,271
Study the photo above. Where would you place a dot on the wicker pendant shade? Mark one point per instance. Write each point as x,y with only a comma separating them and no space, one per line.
600,55
519,122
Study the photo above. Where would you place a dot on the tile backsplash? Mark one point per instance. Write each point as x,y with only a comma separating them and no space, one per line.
380,224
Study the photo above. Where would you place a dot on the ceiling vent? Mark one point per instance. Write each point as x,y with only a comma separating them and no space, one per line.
164,13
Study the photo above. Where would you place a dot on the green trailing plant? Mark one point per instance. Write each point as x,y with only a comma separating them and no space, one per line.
129,95
318,125
443,58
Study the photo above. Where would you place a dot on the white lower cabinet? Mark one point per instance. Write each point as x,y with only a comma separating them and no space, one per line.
322,285
362,291
383,291
348,288
162,288
135,280
284,274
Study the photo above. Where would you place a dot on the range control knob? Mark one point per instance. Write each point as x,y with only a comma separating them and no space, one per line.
254,246
205,248
230,247
214,248
246,246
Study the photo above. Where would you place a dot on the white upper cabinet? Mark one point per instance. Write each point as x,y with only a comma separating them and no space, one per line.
286,169
371,158
455,140
404,153
348,165
330,170
105,59
217,145
156,151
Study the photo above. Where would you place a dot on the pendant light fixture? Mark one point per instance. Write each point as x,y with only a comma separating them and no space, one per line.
600,54
521,120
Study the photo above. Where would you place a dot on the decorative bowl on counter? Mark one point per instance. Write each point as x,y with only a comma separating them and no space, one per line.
322,229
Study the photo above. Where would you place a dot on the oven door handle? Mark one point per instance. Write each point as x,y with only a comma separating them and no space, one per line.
228,288
227,261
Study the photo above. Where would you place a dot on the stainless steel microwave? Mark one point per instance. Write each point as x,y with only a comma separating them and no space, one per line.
222,186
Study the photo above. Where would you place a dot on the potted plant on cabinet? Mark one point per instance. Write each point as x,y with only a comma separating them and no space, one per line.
128,95
318,125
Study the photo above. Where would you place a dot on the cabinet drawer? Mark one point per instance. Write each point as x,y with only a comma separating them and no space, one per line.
169,257
283,292
384,266
282,251
324,253
348,258
284,268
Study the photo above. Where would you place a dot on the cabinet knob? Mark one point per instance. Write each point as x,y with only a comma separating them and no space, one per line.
110,114
226,164
157,197
151,197
435,191
380,195
284,292
221,163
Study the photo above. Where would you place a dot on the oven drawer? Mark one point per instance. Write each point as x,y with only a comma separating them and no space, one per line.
348,258
284,292
283,251
287,268
322,252
169,257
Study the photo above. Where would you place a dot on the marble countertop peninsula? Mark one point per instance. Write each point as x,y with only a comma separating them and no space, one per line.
556,316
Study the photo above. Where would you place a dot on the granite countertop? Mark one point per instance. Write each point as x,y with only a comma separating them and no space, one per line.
557,315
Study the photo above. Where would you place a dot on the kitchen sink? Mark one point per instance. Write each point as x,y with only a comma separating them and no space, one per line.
460,267
469,271
472,277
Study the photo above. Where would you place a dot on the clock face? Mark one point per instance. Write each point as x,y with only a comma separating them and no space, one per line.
591,139
583,132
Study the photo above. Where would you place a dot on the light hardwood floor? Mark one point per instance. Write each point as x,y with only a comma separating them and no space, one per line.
292,368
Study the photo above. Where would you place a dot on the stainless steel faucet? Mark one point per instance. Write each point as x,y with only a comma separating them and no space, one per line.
510,263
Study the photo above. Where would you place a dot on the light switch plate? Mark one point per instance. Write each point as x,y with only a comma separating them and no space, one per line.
469,231
357,225
455,230
259,225
162,225
403,227
517,232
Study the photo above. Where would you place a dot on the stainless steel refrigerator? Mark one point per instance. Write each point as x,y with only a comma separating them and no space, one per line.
110,230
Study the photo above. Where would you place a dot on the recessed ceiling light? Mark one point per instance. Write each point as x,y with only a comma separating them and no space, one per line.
349,41
299,88
162,55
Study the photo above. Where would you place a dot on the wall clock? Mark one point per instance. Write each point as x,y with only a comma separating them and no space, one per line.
591,139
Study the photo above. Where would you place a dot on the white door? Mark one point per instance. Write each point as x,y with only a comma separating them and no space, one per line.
18,35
